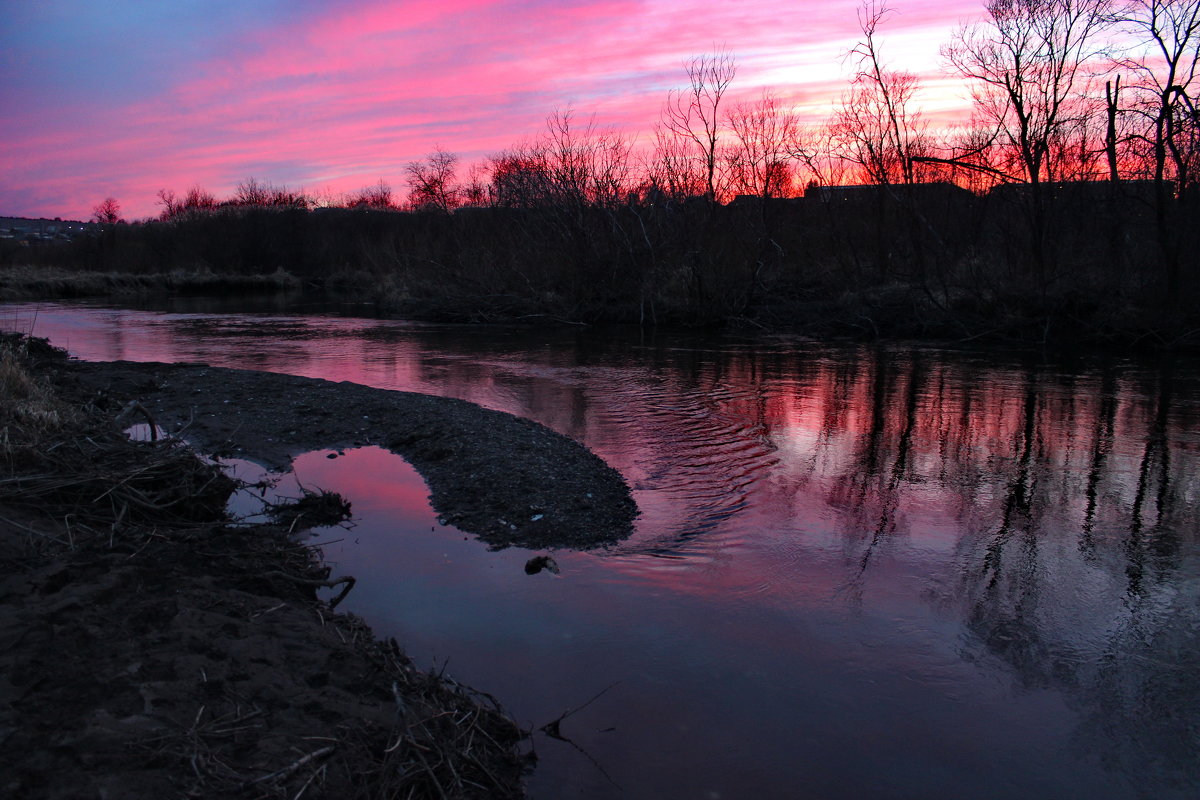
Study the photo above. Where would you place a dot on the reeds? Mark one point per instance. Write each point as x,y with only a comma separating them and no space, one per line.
25,282
447,741
24,400
74,465
105,482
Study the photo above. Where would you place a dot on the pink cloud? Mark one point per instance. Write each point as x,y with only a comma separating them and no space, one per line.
340,98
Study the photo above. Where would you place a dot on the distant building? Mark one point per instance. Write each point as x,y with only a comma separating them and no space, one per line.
1088,191
39,231
858,193
853,193
939,197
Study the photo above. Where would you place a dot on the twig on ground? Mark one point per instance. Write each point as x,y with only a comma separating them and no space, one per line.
290,768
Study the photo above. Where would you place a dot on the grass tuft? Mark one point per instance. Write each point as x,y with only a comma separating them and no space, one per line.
26,402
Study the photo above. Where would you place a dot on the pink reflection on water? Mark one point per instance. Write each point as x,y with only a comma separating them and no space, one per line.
875,447
993,555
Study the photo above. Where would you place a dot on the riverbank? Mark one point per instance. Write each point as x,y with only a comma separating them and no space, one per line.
40,283
828,310
509,481
151,647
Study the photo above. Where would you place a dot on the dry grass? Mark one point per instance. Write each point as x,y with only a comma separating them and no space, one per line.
26,282
73,463
82,491
447,740
29,408
24,400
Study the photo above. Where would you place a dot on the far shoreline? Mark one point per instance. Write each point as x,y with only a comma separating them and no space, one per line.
890,313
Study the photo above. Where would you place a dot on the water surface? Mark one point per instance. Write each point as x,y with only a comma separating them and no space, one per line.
859,571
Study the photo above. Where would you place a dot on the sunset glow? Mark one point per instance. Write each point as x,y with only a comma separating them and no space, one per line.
124,99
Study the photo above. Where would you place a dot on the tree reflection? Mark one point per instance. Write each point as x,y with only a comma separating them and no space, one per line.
1072,496
872,492
1048,508
1103,443
1160,542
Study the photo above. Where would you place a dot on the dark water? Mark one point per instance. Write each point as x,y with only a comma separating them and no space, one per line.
860,572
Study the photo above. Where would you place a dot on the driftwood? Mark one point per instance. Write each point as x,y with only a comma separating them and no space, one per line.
290,768
347,580
132,407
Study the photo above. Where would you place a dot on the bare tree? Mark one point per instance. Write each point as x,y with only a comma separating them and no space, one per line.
611,166
585,165
1166,70
565,150
877,126
107,211
476,191
760,161
672,171
170,203
569,166
519,177
199,199
432,183
1028,60
879,131
694,114
196,199
252,193
812,150
1165,88
285,197
378,197
759,164
1112,108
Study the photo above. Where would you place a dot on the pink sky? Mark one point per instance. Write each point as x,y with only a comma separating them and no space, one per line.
126,98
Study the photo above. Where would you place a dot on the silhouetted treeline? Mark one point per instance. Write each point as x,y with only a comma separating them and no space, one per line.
1068,207
839,260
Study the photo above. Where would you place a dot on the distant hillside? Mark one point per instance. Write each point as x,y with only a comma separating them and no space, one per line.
24,228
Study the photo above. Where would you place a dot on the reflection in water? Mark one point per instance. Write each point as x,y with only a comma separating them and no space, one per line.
859,571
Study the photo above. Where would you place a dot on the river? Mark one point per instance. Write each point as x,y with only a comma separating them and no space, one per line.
860,571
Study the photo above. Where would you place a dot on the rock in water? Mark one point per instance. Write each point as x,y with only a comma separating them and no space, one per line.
538,563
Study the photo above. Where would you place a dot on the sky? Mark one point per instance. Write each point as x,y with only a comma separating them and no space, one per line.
126,97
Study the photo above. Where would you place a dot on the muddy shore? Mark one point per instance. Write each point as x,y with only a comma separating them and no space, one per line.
149,648
508,480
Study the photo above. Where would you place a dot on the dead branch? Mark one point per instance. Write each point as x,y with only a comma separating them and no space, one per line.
347,580
133,406
290,768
